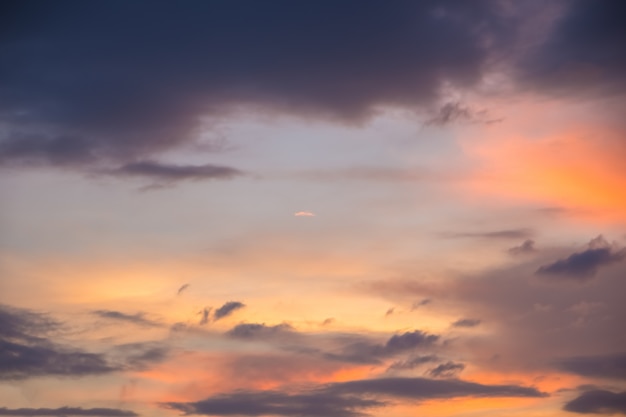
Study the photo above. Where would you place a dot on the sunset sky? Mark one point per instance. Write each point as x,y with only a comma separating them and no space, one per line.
329,208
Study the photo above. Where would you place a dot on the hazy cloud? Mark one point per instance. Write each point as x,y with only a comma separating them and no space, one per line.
528,246
496,234
466,323
182,288
137,318
601,366
413,362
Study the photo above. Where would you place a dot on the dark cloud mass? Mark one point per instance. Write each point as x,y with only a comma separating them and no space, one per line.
584,51
602,366
77,91
227,309
26,351
67,411
115,83
584,265
598,402
344,399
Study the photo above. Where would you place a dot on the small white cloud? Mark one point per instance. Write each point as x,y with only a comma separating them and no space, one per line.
304,214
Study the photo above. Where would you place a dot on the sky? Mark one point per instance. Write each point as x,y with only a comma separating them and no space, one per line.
347,208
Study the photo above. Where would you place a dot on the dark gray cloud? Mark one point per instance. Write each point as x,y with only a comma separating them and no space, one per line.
66,411
258,330
584,52
584,265
446,370
424,388
162,173
365,351
263,403
27,351
456,112
528,246
76,91
25,360
344,399
137,318
600,366
466,323
227,309
598,402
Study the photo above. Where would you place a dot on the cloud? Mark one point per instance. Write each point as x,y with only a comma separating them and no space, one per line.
456,112
26,352
584,265
182,288
162,173
140,356
611,366
206,312
138,318
497,234
66,411
583,53
413,362
446,370
466,323
366,351
528,246
227,309
344,399
598,402
114,98
277,404
421,303
258,330
304,214
25,360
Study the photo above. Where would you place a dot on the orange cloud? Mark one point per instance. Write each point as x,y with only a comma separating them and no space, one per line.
304,214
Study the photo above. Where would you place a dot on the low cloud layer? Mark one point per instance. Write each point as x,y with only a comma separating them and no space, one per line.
345,399
66,412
